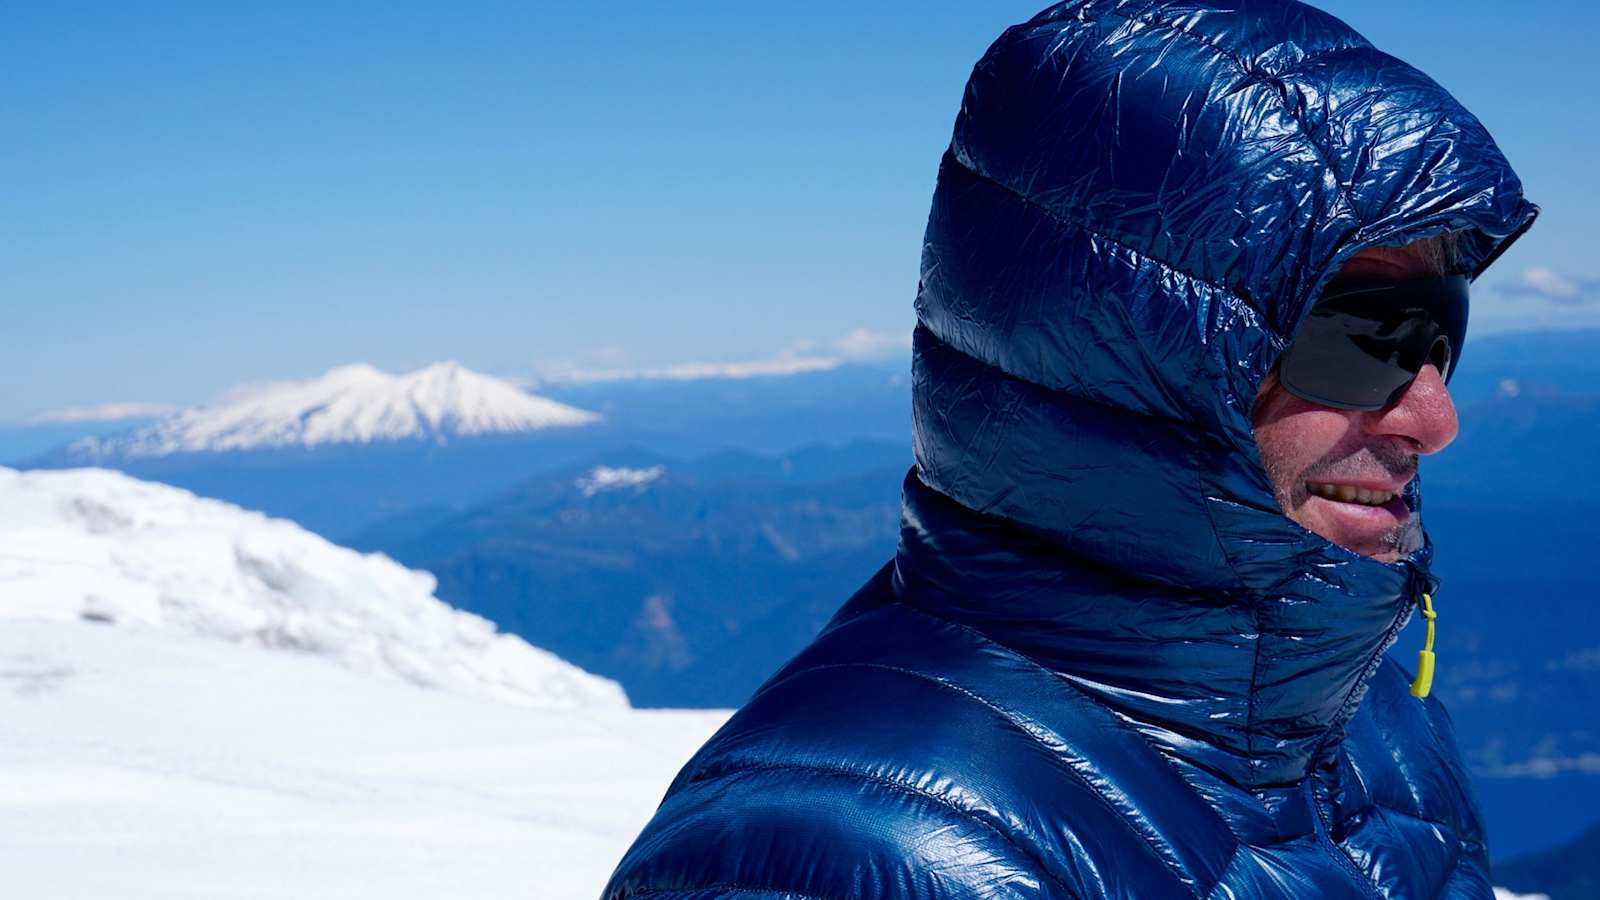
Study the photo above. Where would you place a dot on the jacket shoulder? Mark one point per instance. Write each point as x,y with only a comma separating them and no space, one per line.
880,763
820,833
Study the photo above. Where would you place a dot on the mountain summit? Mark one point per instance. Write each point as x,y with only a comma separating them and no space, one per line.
355,404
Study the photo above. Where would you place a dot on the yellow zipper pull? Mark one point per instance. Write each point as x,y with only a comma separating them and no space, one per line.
1424,680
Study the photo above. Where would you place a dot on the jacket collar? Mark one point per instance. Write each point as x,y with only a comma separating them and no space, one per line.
1253,686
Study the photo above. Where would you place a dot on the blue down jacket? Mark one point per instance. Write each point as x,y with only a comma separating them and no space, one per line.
1103,663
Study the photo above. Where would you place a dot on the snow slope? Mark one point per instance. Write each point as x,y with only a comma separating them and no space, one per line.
90,544
146,765
355,404
200,702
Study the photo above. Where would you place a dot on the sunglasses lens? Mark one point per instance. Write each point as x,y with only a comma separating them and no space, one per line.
1362,345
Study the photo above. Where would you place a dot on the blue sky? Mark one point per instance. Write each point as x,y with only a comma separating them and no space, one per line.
199,195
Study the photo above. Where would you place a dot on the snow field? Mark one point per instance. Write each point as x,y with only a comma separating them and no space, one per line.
147,765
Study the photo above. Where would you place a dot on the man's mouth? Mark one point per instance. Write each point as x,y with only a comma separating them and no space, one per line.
1349,493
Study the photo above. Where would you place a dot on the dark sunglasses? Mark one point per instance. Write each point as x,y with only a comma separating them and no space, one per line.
1364,343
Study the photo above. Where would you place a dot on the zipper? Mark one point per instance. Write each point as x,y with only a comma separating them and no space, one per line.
1417,586
1324,832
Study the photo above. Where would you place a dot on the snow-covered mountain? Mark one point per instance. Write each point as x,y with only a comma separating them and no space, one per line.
355,404
97,546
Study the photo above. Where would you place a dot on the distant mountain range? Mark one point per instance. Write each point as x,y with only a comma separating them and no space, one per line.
355,447
686,581
349,447
1568,872
22,443
773,415
1562,362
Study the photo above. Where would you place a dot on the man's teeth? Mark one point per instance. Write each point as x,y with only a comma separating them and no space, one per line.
1350,493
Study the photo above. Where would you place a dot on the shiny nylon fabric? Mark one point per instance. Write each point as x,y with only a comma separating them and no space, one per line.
1103,663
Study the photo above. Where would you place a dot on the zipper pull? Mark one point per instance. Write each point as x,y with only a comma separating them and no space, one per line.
1423,683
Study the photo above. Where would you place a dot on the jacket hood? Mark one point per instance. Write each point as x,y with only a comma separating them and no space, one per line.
1140,203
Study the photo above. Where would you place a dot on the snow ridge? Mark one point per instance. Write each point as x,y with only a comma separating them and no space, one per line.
609,478
90,545
356,404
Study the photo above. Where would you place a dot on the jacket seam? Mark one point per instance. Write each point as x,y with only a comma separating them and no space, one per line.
1317,57
1065,219
1390,810
1065,391
1457,867
1223,875
1255,675
711,774
1216,535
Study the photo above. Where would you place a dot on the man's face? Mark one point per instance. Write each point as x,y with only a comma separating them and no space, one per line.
1339,473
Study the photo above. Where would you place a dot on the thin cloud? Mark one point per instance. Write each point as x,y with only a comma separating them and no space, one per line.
860,345
103,412
1537,298
1541,283
1546,767
864,343
782,364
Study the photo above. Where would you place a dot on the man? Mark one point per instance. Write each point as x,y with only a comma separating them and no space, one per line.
1186,311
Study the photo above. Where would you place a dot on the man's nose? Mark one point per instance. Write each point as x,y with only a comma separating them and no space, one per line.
1424,414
